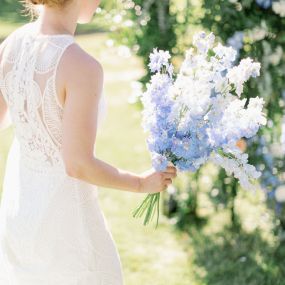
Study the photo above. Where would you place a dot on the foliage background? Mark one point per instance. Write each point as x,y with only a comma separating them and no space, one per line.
213,232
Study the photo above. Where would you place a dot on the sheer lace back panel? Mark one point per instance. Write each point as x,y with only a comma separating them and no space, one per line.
28,83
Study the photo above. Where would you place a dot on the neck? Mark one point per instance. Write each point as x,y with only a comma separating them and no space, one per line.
57,21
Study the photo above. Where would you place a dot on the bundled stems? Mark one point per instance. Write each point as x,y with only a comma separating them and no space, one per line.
149,206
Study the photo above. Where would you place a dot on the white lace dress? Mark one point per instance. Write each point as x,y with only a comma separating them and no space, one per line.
52,229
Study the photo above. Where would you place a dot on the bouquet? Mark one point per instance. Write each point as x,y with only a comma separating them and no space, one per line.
200,116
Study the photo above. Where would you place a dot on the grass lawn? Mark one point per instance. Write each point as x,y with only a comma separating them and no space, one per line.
209,255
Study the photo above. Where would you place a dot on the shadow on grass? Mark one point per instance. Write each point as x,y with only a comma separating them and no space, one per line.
236,258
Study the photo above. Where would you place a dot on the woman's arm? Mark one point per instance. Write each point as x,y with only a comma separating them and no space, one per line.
83,77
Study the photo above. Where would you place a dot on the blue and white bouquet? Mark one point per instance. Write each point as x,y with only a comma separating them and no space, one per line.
200,116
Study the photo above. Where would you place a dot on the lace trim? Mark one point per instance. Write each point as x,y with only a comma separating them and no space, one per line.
52,115
56,70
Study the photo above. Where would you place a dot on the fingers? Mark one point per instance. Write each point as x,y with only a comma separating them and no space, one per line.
167,182
170,163
167,175
170,169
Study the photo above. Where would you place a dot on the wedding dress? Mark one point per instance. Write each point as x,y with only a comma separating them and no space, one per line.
52,229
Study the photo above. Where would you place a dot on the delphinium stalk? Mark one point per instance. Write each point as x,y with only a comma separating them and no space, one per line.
156,120
200,116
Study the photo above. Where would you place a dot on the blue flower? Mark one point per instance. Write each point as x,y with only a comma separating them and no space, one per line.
236,41
190,118
265,4
185,165
159,162
158,59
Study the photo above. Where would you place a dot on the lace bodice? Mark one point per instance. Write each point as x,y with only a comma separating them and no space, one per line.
28,84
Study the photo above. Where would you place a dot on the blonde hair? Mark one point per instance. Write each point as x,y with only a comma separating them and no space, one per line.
30,5
55,3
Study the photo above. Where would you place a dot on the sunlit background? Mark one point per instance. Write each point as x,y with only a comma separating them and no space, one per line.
212,231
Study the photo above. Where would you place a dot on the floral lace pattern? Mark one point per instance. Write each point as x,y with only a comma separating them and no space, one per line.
28,84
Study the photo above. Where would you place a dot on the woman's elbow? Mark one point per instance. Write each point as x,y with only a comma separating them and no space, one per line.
76,164
72,169
75,167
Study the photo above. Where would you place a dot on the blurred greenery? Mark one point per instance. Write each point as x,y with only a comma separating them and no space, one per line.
206,253
263,40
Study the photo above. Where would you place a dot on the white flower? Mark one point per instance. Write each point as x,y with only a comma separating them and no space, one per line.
227,54
279,8
280,194
239,167
118,19
158,59
238,75
203,42
196,116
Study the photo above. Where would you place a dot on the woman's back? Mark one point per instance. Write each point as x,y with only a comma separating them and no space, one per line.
28,73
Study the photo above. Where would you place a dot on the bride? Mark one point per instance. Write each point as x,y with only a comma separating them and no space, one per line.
52,229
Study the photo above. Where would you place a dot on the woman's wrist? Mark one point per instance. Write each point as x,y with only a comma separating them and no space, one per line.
139,184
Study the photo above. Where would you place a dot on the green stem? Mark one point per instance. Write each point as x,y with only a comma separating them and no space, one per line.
158,199
149,210
143,205
154,204
148,206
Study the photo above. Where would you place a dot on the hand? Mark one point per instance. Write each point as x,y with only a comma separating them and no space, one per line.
152,181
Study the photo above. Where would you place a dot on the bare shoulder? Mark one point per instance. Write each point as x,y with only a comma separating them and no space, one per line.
77,63
79,75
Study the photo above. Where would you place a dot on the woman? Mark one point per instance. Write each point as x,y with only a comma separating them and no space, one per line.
52,230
